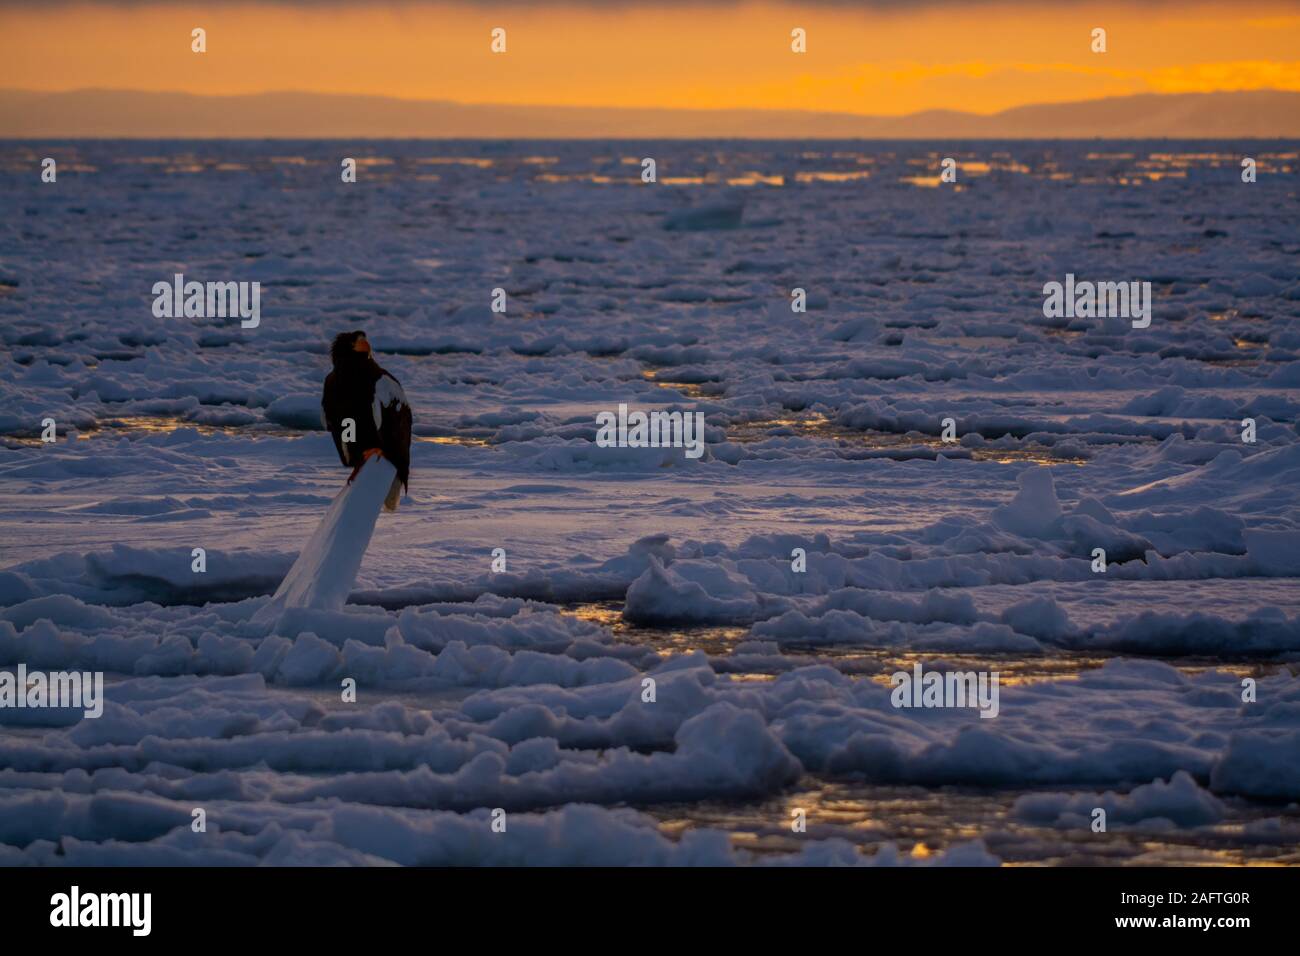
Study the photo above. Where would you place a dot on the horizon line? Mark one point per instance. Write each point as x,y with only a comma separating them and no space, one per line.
661,109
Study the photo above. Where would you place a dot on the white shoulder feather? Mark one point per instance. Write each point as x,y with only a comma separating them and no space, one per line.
387,392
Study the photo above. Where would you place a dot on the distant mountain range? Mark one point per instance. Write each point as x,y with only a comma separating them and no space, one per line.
133,114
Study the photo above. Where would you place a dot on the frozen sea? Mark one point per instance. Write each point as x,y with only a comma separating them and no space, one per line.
1163,690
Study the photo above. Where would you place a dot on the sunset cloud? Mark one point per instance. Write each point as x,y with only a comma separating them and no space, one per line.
882,58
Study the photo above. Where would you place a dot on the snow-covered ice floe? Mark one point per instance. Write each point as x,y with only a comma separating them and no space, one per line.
669,660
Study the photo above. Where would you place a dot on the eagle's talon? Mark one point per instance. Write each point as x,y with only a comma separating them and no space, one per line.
365,457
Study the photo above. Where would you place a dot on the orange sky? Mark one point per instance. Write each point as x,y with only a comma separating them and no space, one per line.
968,56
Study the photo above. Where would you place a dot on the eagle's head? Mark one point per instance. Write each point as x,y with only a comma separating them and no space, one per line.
349,348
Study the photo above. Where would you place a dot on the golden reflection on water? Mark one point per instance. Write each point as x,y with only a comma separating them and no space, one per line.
606,615
164,425
925,821
817,425
1013,671
669,641
689,389
1155,175
874,663
1116,168
577,178
1187,159
463,440
831,176
474,161
159,425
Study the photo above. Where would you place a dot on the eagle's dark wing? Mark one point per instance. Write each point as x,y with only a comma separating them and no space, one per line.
392,414
333,409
